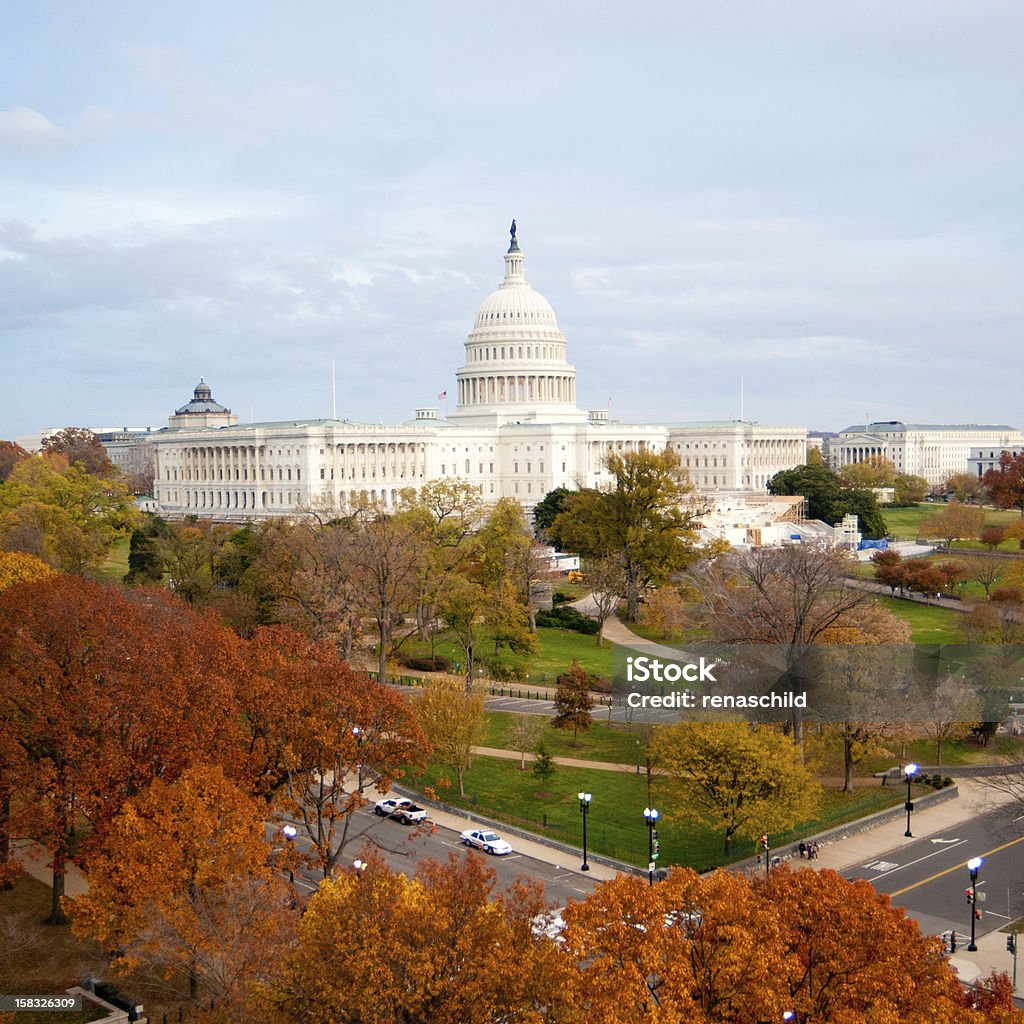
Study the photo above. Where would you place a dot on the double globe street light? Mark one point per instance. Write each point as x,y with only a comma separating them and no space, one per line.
910,771
584,809
972,898
651,817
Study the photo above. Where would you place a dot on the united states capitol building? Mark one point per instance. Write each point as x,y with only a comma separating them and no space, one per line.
516,432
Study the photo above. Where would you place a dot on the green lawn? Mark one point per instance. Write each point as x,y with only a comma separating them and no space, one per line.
903,523
115,565
558,648
616,825
928,623
614,744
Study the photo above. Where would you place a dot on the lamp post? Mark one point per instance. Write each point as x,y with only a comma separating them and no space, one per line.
638,757
289,832
584,809
651,817
358,734
972,898
910,771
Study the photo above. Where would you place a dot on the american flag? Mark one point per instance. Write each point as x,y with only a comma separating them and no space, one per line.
443,396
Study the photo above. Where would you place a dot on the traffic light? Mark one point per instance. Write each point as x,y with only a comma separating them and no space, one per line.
970,894
977,915
764,842
1011,944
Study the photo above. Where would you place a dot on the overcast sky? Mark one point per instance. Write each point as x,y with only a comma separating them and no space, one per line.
822,198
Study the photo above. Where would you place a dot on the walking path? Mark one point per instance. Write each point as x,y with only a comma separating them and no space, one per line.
568,762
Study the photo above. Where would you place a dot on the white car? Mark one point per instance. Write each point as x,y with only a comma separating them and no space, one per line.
489,842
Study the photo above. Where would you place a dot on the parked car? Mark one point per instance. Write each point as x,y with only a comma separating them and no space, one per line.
489,842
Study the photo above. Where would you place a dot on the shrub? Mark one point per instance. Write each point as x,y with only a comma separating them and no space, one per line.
558,598
565,617
426,664
507,668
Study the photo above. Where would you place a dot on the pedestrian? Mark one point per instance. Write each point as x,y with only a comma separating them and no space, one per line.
803,849
813,851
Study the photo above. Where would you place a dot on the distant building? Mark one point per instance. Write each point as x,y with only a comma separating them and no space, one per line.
981,460
516,432
932,451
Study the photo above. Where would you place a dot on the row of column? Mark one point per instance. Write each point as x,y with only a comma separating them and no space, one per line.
517,388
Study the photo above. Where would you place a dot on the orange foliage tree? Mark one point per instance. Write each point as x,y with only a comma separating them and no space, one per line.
99,694
182,888
321,734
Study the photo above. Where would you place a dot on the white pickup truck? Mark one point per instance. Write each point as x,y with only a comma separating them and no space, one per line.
401,810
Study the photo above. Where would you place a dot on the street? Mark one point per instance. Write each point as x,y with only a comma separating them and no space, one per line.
929,877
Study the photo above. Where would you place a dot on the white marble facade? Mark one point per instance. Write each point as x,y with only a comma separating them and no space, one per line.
515,432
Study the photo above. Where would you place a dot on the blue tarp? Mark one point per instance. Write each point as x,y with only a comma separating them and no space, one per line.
868,545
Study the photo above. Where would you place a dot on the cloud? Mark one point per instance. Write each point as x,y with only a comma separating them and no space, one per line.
25,130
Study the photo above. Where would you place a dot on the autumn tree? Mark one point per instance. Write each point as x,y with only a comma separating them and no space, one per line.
319,735
986,572
182,886
955,522
18,567
664,611
441,947
390,550
871,473
102,693
607,580
992,536
1005,485
785,598
80,447
948,708
741,780
452,719
963,487
646,518
525,732
10,455
574,702
890,569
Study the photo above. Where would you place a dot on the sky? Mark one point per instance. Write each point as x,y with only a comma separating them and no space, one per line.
819,199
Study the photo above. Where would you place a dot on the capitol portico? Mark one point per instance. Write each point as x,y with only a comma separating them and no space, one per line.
516,432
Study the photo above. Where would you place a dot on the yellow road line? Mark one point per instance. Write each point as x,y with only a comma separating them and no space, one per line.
955,867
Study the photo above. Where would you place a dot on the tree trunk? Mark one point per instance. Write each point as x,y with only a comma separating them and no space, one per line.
469,667
5,840
462,788
847,765
533,619
57,915
382,653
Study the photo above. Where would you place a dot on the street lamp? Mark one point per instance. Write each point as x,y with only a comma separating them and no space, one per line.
910,771
651,817
638,757
972,898
357,867
584,809
358,734
289,832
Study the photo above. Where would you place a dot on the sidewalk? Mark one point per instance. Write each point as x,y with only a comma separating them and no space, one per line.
568,762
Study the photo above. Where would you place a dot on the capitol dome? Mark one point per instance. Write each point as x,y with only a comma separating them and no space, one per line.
516,364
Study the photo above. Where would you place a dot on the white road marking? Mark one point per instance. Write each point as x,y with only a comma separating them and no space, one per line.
910,864
945,840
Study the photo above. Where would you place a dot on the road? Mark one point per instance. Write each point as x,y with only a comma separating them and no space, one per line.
403,848
929,877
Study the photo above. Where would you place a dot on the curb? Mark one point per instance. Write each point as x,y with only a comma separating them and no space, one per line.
852,828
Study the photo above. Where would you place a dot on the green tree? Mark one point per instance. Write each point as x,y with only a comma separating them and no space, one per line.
646,518
875,472
829,498
549,508
734,777
63,514
910,489
573,701
543,765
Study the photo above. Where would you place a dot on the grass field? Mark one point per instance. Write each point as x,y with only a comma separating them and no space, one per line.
903,523
613,744
558,648
115,565
928,623
615,825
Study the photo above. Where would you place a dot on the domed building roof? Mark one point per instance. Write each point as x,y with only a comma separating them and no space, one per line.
202,401
516,368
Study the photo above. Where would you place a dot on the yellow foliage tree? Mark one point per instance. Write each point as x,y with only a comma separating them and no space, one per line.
19,567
